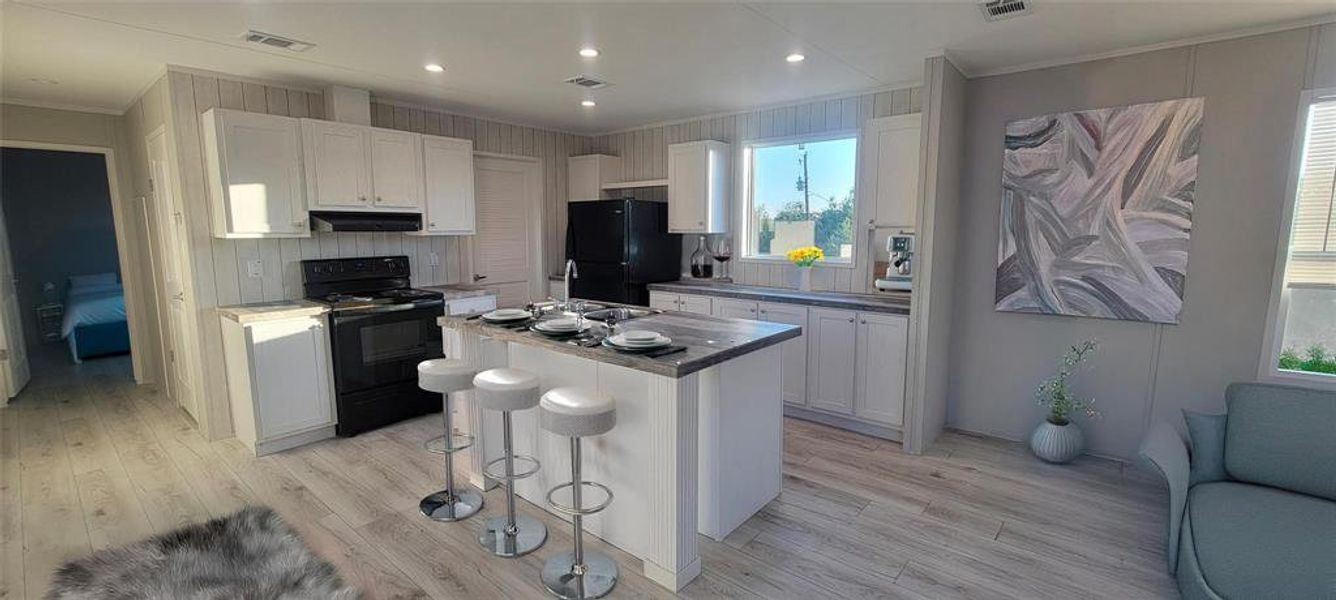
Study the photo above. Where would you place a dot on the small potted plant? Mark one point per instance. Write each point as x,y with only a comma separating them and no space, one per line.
804,258
1057,439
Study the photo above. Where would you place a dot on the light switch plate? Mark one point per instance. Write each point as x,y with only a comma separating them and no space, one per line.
255,268
435,259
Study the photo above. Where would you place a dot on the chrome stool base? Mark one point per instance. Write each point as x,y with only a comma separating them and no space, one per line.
600,575
440,506
529,534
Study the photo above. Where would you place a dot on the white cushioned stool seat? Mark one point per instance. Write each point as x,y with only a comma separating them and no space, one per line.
577,412
506,389
445,375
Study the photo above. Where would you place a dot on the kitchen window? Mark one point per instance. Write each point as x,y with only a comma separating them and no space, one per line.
800,192
1301,336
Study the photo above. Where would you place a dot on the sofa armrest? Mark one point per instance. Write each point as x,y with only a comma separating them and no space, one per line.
1164,449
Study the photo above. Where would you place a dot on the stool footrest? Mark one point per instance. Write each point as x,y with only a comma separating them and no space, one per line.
533,466
579,510
458,442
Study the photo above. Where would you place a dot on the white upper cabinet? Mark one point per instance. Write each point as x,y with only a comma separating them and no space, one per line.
883,342
254,169
891,169
338,170
447,167
396,169
698,184
587,174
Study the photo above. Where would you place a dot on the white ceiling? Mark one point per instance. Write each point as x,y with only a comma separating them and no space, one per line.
507,61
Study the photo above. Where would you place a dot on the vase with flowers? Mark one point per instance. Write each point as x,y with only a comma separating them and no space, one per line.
804,258
1057,439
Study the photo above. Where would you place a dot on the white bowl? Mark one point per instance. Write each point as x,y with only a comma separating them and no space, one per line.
559,324
640,335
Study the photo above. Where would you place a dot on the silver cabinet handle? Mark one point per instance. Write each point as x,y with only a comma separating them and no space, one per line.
753,311
179,296
764,312
379,199
477,277
431,224
361,199
851,319
864,321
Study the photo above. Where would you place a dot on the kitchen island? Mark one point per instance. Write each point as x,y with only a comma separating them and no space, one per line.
698,443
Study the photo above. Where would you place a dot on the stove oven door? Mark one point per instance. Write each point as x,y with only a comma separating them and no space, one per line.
379,348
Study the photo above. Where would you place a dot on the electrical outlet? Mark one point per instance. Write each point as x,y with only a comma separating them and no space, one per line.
435,259
255,268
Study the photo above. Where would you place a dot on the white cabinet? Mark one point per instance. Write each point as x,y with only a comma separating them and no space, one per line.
396,169
279,381
830,359
587,174
698,185
794,350
734,309
890,178
882,350
700,305
664,300
254,169
449,204
338,169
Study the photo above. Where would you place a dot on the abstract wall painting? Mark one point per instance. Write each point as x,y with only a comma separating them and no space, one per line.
1097,211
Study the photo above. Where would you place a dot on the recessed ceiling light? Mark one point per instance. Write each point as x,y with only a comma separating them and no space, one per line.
588,103
434,68
795,58
588,52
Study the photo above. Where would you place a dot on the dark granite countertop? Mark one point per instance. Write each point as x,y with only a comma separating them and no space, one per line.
709,340
886,302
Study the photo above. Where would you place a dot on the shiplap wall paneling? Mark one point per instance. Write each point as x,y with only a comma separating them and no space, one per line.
644,156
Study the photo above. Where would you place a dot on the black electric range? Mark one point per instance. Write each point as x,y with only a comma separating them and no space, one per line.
380,329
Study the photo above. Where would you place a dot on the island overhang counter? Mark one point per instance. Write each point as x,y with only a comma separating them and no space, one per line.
698,444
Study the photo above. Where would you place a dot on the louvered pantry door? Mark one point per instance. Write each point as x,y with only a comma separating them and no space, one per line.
505,247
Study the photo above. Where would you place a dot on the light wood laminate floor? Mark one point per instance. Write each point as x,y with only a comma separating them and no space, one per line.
88,460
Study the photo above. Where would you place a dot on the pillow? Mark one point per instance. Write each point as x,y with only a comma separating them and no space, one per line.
1208,447
98,279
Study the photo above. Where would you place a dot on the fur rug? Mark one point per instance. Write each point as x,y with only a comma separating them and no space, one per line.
252,554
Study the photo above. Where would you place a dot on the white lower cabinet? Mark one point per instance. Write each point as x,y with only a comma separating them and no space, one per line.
279,382
794,350
735,309
700,305
830,359
882,349
664,300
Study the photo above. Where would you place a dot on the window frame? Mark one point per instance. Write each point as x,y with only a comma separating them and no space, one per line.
744,193
1278,306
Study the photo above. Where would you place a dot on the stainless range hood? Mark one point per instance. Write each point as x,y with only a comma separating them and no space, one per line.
364,221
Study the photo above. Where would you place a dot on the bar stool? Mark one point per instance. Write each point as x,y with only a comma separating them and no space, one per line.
447,376
509,390
577,412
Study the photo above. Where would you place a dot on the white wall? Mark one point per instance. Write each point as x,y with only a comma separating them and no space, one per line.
1143,372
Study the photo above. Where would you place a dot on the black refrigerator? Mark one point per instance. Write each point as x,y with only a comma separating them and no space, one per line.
618,247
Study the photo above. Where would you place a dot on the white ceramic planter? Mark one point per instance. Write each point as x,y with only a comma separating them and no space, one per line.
805,279
1057,443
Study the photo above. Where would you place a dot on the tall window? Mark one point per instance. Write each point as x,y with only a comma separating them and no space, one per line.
1307,316
801,193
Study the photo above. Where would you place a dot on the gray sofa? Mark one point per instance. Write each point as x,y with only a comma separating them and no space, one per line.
1252,514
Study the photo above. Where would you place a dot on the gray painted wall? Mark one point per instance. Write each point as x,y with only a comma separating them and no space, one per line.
58,215
1143,372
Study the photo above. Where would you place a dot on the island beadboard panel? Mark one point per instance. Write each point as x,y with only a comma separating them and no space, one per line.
644,153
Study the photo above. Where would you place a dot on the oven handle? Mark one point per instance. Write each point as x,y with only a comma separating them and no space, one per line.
429,308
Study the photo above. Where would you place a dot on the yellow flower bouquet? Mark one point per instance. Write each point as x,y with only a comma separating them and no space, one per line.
805,256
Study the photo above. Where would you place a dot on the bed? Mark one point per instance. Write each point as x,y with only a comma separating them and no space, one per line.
95,322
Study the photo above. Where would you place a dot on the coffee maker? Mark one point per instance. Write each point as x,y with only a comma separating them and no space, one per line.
899,271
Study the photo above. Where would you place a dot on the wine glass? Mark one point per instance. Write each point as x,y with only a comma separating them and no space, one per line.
723,252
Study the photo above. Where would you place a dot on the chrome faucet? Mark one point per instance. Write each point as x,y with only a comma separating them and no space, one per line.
571,273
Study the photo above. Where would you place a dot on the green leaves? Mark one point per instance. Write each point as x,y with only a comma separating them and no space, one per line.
1054,394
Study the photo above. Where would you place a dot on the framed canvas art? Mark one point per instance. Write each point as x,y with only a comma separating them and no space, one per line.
1097,211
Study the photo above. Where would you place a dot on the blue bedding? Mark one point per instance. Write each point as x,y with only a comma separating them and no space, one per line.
95,322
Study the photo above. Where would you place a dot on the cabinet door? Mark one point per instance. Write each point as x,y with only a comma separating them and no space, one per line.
585,175
688,181
255,174
892,161
290,359
882,348
664,301
697,304
734,309
337,167
447,166
830,360
396,169
794,351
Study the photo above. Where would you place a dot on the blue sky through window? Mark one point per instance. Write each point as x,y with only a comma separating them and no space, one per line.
776,171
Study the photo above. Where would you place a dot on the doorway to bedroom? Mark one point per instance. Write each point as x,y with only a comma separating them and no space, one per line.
62,302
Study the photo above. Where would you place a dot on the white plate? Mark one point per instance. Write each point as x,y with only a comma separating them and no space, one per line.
558,324
506,314
608,342
539,327
640,335
621,342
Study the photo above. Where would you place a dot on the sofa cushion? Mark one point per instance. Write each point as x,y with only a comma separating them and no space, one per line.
1282,436
1207,433
1259,542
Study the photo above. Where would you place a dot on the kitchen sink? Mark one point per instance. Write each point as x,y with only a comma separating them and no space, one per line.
619,314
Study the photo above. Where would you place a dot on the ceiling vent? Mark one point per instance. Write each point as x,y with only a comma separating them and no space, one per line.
997,10
277,41
588,82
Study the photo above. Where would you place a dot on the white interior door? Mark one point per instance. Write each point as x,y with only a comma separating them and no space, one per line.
506,251
13,351
171,239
